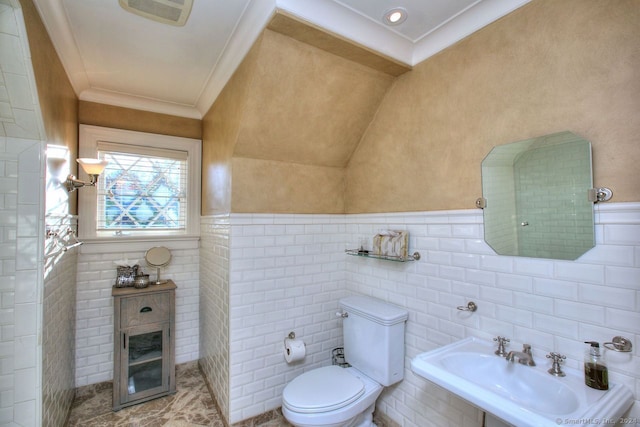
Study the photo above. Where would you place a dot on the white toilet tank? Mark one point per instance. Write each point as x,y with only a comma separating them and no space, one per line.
374,338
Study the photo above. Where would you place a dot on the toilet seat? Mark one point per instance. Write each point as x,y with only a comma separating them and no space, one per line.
322,390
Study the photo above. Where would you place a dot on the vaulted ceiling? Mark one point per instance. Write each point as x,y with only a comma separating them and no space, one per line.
118,58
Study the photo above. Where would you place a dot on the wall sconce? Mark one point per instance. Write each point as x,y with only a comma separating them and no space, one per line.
92,167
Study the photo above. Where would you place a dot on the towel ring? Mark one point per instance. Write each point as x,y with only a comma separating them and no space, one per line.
619,344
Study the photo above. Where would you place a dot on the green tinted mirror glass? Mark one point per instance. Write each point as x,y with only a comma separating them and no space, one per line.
537,197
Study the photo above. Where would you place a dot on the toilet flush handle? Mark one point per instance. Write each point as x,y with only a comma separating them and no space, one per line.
342,314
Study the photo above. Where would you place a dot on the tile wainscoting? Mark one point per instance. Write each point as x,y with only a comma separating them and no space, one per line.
283,273
287,272
95,278
214,307
553,305
58,339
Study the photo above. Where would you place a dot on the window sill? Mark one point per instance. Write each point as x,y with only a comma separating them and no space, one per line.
137,243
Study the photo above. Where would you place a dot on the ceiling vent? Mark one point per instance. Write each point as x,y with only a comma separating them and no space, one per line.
172,12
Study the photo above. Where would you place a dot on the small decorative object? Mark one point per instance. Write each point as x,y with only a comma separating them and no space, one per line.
391,243
126,272
158,257
141,281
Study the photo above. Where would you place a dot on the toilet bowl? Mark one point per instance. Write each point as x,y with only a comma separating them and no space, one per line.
331,397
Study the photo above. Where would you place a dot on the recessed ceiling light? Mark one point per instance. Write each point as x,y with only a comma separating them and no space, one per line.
395,16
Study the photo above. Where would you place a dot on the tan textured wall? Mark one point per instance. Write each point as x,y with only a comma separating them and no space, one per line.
220,128
285,187
280,134
91,113
547,67
306,105
58,102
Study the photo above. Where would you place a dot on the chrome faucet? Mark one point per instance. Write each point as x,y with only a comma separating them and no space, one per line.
524,357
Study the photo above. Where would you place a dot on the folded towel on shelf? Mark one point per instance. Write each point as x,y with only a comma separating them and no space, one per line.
391,243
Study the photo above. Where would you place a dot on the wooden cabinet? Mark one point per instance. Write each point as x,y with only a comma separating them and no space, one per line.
144,344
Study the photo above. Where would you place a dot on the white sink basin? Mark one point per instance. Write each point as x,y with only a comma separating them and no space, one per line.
521,395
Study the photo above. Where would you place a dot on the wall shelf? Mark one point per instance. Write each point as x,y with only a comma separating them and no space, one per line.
356,252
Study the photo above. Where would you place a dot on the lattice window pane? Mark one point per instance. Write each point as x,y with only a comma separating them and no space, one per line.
142,192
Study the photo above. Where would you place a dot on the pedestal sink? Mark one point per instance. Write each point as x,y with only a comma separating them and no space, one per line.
518,394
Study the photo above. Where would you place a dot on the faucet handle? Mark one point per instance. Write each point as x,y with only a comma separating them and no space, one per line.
526,348
501,342
555,369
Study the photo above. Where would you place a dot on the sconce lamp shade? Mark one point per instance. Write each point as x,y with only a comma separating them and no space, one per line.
92,166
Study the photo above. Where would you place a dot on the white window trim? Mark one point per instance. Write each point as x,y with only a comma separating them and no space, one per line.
87,203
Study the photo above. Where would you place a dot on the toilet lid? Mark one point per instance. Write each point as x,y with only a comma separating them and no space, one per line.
321,390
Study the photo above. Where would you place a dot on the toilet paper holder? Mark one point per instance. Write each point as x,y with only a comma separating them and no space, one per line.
294,349
291,336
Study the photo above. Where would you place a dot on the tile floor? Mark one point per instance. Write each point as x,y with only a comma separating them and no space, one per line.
190,406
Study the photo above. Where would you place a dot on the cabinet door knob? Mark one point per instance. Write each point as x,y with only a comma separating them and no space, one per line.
145,309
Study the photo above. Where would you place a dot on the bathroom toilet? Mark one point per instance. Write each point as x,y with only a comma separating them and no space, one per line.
332,396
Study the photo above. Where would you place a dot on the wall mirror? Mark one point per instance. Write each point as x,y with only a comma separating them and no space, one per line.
536,197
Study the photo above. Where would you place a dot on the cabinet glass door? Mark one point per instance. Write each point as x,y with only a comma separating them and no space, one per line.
145,362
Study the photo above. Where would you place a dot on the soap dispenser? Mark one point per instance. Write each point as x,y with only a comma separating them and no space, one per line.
596,374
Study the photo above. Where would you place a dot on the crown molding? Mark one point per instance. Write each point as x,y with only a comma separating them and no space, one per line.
329,15
481,14
253,21
52,13
139,103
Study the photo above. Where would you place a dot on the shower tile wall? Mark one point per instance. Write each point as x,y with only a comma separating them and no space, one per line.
96,276
19,108
19,274
501,225
21,232
540,179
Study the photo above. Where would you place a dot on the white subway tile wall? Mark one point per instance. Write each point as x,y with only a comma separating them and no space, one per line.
214,306
20,292
19,109
553,305
287,272
263,276
94,318
286,275
58,340
21,234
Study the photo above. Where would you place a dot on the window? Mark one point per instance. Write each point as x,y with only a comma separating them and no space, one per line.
151,186
141,192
